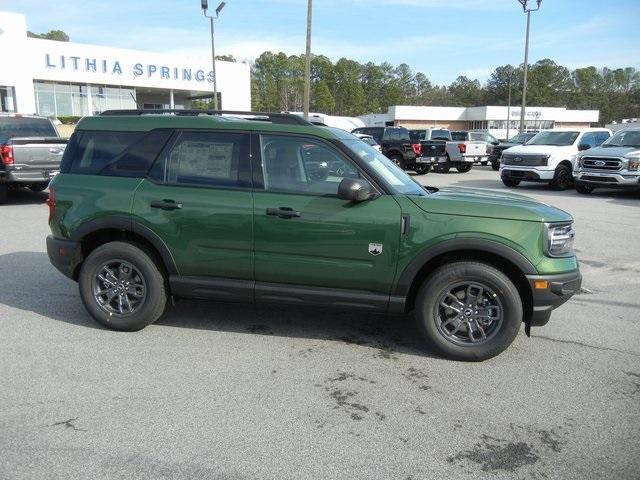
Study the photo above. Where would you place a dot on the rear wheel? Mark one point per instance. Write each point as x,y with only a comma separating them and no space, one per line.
122,286
469,311
464,168
4,193
422,169
584,189
562,178
484,162
510,182
38,187
445,166
398,160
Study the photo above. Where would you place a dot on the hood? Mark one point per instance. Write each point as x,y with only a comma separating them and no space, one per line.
611,151
552,150
491,204
504,145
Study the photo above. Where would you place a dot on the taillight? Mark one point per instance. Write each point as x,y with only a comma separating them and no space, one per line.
52,202
417,148
6,154
462,147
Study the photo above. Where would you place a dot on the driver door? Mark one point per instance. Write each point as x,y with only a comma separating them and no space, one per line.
304,234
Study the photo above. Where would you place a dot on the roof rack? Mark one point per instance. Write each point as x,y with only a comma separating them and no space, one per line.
282,118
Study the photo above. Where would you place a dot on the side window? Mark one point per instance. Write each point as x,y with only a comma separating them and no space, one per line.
302,165
601,137
209,159
91,152
391,134
376,133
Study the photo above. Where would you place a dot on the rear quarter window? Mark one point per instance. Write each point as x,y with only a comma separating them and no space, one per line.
114,154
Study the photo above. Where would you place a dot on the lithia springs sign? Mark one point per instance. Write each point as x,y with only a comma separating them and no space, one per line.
115,67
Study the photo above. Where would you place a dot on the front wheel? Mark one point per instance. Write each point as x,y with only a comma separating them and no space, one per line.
469,311
122,286
464,168
510,182
584,189
422,169
562,178
398,160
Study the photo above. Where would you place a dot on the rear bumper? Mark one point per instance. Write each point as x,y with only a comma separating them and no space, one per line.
28,175
65,255
561,287
612,180
431,160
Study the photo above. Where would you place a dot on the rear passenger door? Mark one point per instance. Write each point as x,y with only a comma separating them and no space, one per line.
197,198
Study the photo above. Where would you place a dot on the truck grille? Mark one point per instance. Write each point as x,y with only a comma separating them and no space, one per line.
524,160
601,164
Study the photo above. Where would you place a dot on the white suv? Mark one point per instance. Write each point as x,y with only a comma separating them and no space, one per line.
549,156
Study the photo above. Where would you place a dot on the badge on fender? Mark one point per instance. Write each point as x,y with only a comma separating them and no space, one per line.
375,248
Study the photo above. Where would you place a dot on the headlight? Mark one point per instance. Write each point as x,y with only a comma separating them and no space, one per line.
634,164
559,239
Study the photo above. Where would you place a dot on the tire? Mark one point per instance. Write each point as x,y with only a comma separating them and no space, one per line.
422,169
444,167
510,182
562,178
38,187
584,189
4,193
495,165
499,298
398,160
484,163
464,168
143,270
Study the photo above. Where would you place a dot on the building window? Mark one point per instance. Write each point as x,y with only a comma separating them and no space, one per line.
7,99
68,99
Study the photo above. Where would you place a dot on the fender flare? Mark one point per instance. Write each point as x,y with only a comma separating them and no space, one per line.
127,224
410,272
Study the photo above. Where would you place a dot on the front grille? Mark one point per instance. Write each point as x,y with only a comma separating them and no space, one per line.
599,179
601,164
524,160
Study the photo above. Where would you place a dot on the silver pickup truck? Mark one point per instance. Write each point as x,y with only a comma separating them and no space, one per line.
30,152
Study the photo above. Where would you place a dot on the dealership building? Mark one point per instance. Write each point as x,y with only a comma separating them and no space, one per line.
488,118
72,79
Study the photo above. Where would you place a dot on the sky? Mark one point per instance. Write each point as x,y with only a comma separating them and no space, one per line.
441,38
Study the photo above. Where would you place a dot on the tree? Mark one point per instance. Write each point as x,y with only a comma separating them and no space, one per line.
57,35
466,92
226,58
321,99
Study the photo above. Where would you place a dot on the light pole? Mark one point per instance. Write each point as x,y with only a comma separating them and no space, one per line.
511,70
528,11
205,7
307,63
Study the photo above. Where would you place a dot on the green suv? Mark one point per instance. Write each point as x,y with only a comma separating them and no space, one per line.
256,207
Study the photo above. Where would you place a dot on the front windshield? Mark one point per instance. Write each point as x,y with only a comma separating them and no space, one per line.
396,179
624,138
556,138
521,138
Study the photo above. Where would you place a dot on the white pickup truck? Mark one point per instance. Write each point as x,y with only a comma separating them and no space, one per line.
466,149
549,157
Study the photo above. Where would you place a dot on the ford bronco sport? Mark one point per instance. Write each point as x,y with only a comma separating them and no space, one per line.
268,208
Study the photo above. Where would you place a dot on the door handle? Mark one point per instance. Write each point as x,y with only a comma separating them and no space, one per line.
166,204
283,212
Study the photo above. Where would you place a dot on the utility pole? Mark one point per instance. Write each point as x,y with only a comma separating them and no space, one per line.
509,103
307,63
205,6
528,11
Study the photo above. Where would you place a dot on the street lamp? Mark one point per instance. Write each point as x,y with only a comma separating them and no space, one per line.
511,72
527,10
205,7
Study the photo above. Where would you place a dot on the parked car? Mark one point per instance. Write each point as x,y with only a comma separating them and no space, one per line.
465,149
30,152
549,156
518,139
615,163
152,206
395,143
369,140
432,147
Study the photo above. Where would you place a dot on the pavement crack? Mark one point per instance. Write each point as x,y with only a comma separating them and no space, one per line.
586,345
68,424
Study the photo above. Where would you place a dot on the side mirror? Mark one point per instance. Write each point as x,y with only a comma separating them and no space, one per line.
583,146
355,189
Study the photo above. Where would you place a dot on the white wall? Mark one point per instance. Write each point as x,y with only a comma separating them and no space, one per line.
82,63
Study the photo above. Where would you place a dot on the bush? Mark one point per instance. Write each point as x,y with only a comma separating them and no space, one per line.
71,120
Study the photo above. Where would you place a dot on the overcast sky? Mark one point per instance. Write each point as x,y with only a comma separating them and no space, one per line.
442,38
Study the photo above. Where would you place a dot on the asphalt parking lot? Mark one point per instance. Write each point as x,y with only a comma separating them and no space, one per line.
223,391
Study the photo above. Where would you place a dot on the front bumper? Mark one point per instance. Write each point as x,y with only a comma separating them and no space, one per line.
618,179
526,174
561,287
65,255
